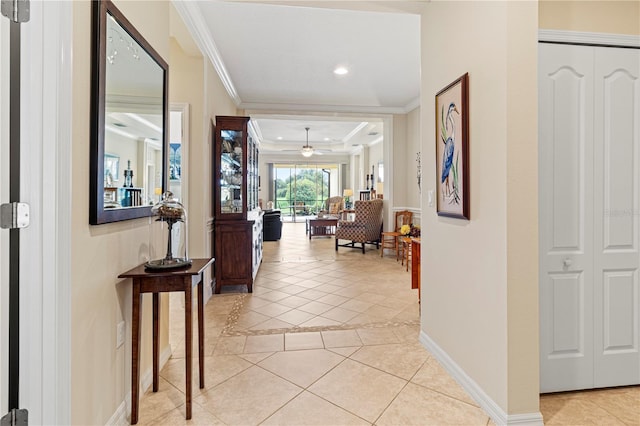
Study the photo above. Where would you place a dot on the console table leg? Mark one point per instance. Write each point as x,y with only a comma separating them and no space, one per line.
156,337
188,329
201,332
135,350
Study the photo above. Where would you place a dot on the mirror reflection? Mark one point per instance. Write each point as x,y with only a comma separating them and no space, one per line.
133,122
130,115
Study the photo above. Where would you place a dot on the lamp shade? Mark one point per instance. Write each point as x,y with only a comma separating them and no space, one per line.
379,187
347,193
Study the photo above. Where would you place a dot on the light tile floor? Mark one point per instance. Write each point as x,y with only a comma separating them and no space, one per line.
331,338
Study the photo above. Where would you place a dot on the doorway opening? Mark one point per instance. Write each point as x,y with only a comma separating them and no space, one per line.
301,190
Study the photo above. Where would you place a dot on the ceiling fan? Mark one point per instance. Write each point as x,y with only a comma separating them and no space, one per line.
307,150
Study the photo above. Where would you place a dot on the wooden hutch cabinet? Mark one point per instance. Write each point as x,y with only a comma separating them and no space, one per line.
237,231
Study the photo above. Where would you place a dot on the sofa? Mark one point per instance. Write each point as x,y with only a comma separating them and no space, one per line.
272,225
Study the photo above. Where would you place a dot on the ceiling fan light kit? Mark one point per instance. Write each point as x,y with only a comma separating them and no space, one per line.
307,150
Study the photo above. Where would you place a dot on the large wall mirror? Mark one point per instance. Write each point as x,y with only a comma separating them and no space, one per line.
129,113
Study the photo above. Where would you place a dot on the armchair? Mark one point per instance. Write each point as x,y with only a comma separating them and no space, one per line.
337,203
366,227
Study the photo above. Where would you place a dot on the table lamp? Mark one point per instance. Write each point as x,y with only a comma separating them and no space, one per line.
346,194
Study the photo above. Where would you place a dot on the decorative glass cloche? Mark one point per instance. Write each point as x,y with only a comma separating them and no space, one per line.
171,234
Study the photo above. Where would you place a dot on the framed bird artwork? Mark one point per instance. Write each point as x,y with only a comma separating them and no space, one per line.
452,149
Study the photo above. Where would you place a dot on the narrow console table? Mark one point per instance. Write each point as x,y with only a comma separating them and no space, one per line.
157,281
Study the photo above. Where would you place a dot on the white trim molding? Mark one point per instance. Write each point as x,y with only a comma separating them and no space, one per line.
45,246
417,213
497,414
192,16
119,418
146,380
576,37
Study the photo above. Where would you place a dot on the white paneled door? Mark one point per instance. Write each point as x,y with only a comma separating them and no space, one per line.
589,195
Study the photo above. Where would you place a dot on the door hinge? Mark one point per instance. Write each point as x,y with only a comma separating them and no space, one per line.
15,417
16,10
14,215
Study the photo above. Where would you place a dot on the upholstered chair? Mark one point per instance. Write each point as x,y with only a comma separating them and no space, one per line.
333,207
365,228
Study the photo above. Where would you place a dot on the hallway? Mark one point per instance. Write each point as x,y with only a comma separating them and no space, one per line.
332,339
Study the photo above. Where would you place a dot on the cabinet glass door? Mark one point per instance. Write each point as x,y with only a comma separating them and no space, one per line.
231,171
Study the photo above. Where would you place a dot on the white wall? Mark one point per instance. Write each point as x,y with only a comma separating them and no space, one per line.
477,274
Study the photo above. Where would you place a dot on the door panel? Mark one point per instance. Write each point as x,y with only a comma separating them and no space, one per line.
619,288
589,99
567,89
568,312
566,278
617,258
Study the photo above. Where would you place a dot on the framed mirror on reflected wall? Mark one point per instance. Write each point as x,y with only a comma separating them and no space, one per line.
129,120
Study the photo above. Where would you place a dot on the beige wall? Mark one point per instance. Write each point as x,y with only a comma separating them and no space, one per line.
616,17
100,378
522,208
101,373
474,286
397,179
185,86
376,155
413,146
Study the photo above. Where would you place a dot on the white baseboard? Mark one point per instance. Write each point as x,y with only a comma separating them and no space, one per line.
494,411
122,413
146,380
119,418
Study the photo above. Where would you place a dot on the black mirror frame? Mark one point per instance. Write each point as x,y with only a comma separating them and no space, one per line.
97,213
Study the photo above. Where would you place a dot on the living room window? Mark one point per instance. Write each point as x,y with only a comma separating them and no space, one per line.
301,190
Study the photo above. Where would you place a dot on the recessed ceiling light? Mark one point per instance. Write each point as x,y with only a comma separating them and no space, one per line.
327,139
279,138
341,71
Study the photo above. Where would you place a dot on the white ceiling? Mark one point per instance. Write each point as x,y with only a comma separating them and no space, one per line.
277,63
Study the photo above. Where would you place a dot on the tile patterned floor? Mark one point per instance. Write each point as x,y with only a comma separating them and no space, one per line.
331,338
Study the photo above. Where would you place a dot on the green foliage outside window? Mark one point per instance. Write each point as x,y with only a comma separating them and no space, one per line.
306,187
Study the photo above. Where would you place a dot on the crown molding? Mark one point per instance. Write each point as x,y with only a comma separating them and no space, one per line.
412,105
577,37
322,108
255,129
190,13
376,141
351,134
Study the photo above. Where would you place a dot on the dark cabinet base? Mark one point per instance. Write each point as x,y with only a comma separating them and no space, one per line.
233,252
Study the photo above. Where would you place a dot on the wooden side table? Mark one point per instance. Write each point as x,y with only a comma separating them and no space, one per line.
165,280
415,264
322,227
